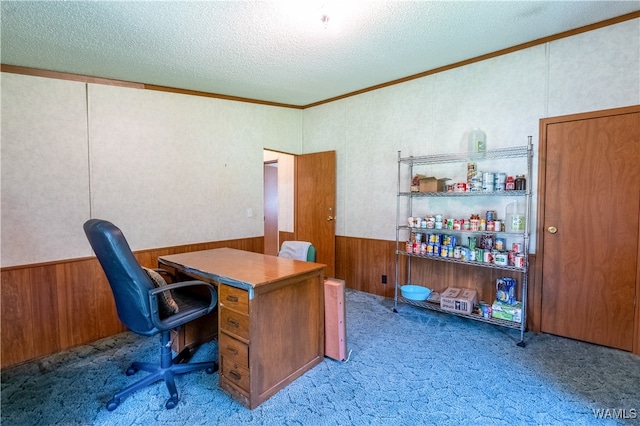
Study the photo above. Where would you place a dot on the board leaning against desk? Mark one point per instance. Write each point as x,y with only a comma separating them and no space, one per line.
268,306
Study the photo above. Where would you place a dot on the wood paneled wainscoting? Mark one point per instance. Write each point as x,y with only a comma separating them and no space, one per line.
361,263
50,307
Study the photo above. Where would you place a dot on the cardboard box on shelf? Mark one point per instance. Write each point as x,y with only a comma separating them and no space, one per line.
432,184
459,300
506,311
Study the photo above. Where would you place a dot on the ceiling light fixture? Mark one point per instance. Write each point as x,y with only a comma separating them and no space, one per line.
325,20
324,16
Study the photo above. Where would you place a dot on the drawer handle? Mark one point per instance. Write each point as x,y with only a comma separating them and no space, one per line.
235,375
233,322
232,350
231,298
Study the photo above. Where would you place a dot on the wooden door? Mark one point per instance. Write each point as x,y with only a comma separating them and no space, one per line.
271,244
315,200
589,226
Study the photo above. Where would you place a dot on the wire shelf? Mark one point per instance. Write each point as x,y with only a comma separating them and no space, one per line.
462,262
436,307
510,193
511,152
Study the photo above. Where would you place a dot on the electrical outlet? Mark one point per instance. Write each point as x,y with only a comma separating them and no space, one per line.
384,279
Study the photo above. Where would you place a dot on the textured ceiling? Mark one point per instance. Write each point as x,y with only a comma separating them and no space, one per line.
277,51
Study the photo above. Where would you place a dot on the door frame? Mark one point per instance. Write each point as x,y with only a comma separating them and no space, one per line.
536,305
270,192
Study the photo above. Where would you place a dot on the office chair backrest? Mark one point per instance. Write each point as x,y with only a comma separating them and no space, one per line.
311,254
129,283
299,250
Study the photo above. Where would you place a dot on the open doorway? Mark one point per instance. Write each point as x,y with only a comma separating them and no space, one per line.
278,199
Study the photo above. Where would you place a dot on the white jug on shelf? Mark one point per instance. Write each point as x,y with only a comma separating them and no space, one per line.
514,218
477,141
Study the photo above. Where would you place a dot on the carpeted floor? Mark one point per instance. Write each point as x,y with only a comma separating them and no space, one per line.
413,367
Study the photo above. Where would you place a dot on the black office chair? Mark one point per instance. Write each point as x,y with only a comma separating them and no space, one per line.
140,307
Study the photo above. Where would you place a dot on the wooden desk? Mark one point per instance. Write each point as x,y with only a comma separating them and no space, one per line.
271,317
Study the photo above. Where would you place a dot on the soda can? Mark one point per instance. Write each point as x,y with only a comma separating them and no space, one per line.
485,308
487,179
501,259
519,263
499,180
491,215
465,253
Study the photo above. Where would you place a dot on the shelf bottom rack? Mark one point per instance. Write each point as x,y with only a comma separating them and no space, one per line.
436,307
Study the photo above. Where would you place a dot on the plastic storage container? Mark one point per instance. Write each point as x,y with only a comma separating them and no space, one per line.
477,141
514,218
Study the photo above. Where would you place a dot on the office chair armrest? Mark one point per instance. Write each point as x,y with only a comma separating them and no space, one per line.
183,316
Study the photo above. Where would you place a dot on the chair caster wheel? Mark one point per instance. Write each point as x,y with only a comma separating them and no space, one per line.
171,403
131,371
211,370
113,404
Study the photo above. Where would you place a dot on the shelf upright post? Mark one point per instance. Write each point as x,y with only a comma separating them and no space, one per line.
527,230
395,297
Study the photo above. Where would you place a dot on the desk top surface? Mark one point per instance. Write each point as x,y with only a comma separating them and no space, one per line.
231,265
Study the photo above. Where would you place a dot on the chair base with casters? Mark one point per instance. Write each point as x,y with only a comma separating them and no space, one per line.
166,370
149,306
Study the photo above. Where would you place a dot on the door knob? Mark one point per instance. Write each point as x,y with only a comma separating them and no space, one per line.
552,229
330,218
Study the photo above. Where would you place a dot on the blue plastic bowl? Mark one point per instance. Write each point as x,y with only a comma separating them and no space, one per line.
415,292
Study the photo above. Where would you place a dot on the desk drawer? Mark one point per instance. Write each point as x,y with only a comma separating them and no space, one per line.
233,350
234,298
234,323
235,374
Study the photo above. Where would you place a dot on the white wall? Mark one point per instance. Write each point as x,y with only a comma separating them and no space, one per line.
168,169
45,184
505,96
